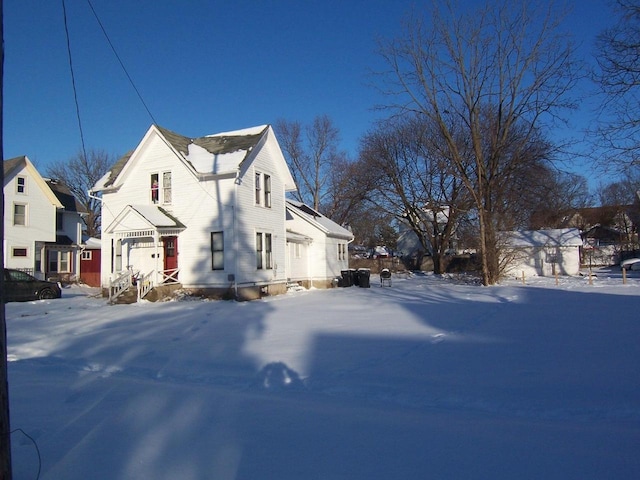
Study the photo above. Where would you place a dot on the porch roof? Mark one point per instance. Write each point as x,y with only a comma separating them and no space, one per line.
136,221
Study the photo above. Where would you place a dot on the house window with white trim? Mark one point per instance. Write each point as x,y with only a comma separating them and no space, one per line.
19,252
58,261
86,255
342,251
155,188
166,187
267,190
217,251
160,188
118,256
19,214
263,189
264,252
258,181
21,185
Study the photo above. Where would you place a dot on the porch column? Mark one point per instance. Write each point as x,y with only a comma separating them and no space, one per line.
156,242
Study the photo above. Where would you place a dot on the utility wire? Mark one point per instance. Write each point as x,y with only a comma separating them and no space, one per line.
120,61
73,79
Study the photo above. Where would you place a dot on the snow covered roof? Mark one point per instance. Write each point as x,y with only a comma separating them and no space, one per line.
136,220
91,242
216,153
156,216
327,225
211,154
557,237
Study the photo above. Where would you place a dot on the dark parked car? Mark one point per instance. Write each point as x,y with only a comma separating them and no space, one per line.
21,287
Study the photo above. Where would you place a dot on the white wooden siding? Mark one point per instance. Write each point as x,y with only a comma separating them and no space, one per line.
40,223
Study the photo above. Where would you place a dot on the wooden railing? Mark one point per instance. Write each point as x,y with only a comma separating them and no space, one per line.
169,277
144,284
119,285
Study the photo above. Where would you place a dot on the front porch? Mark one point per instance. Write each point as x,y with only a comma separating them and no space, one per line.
144,250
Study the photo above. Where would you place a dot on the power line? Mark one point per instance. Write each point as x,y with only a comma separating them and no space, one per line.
121,63
73,78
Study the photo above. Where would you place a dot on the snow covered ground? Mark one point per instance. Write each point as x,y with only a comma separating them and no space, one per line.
433,378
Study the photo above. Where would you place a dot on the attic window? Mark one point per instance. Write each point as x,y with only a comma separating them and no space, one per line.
21,185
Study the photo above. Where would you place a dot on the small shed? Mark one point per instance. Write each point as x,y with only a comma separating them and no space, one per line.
90,256
542,252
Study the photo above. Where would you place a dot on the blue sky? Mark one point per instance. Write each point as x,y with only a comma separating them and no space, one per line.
202,67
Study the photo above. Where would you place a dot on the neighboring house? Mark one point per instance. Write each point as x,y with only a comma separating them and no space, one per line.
542,252
602,245
63,256
90,255
317,247
207,212
42,223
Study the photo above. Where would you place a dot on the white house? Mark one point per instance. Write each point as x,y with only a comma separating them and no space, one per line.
542,252
43,223
317,247
208,212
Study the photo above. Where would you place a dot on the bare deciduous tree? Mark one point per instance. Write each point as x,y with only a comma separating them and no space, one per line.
619,78
311,152
558,197
80,174
493,70
416,185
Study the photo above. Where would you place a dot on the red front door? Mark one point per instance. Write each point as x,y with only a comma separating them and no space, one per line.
170,254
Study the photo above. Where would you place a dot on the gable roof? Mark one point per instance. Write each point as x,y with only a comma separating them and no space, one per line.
209,155
64,195
142,218
12,164
16,164
557,237
326,225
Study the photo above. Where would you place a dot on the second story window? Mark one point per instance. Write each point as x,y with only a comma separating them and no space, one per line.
258,178
21,185
59,221
160,188
155,188
166,187
267,191
19,214
263,189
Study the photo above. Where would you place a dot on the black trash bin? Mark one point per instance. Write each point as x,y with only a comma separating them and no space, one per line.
347,278
364,277
354,277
